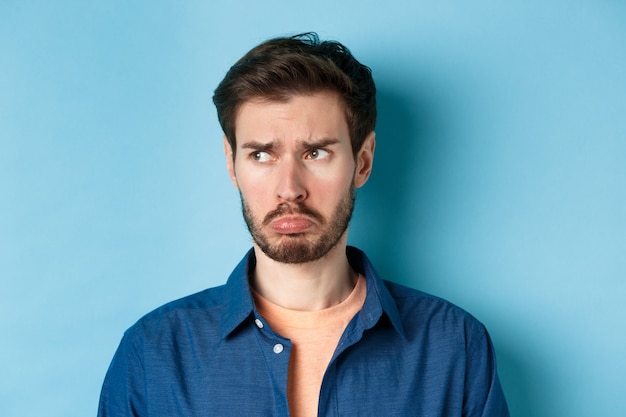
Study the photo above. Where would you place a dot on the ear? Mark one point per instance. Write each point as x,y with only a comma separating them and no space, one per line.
230,161
365,160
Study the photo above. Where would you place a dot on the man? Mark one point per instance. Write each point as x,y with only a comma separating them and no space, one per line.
304,326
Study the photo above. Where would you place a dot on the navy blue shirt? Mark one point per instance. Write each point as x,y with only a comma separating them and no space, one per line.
405,353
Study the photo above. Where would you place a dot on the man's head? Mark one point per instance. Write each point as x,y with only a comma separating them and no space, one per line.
280,68
298,116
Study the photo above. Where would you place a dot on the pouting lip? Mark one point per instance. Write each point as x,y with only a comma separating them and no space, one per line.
291,224
285,211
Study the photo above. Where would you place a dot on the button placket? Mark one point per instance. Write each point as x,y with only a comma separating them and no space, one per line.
277,348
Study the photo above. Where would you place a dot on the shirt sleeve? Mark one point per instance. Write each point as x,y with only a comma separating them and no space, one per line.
483,395
124,389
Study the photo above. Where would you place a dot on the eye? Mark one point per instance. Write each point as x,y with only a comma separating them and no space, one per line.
317,154
261,156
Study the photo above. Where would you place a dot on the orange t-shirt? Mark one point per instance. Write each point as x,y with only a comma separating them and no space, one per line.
314,336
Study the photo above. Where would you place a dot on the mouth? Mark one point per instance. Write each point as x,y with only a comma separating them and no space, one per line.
292,220
290,225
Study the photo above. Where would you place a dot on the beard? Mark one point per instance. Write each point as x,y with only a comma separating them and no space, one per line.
298,248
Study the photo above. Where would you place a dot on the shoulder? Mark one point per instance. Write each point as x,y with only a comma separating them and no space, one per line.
201,309
422,311
410,297
417,312
202,300
212,313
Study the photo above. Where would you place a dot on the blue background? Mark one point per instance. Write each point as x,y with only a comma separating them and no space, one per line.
498,181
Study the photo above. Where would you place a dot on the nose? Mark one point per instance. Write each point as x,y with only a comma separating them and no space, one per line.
291,181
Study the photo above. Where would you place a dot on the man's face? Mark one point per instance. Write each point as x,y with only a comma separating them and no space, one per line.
296,174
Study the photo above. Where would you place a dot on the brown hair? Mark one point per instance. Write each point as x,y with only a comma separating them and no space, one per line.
282,67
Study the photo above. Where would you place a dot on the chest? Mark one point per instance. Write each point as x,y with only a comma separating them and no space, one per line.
378,375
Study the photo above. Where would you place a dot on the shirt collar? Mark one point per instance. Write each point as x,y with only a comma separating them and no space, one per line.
238,304
378,299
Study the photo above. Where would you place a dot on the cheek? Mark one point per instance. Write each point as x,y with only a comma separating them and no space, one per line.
245,181
341,180
329,193
254,194
251,193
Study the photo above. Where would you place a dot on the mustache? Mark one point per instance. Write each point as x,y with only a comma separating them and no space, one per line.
285,209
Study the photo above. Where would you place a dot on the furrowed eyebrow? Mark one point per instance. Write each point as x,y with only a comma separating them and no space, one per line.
268,146
322,143
259,146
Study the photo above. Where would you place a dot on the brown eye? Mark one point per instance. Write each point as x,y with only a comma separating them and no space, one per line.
317,154
260,156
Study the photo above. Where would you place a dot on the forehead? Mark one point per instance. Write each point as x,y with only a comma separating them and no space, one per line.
302,115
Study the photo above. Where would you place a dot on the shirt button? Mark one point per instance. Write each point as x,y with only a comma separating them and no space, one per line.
258,323
278,348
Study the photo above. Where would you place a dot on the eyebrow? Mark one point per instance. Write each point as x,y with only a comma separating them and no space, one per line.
268,146
259,146
322,143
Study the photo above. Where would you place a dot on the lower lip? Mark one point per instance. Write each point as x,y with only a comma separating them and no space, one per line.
291,226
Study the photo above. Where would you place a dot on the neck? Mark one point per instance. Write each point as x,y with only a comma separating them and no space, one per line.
310,286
